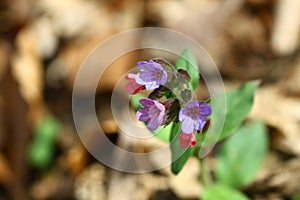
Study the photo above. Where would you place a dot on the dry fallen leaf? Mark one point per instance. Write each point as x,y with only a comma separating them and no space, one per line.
186,184
287,22
281,112
27,69
91,183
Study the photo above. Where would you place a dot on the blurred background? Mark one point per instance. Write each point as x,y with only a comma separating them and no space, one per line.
43,43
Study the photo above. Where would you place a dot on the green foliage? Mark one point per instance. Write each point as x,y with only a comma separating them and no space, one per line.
164,133
224,121
40,154
179,155
241,156
41,149
238,105
222,192
188,62
297,197
135,101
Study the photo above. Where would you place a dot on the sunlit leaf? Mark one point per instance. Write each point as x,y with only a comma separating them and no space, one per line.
47,129
222,192
188,62
238,105
41,150
41,155
297,197
179,155
241,155
135,101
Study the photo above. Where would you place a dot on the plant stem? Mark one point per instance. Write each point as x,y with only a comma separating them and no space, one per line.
204,174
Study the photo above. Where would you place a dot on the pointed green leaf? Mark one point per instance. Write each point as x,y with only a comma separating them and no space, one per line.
47,129
222,192
297,197
225,120
164,133
179,155
135,101
41,149
188,62
40,155
241,156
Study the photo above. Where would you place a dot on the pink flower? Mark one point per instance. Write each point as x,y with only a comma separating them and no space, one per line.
186,140
132,86
153,113
151,74
193,116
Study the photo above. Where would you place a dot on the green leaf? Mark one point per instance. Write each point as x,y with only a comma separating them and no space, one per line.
179,155
222,192
47,129
42,147
188,62
225,120
135,101
241,156
164,133
297,197
40,155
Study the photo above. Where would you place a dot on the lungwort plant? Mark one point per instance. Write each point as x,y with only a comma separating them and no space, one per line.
190,124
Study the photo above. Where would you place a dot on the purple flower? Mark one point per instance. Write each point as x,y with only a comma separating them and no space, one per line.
152,113
132,86
193,116
151,74
186,140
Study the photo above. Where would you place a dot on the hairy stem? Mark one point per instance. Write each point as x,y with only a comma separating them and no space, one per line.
204,174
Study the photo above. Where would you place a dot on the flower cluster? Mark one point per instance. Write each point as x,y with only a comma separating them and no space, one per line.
171,91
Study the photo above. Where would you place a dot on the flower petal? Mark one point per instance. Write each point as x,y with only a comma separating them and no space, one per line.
151,86
132,86
200,123
143,114
148,85
192,105
186,140
156,114
139,80
193,141
154,123
205,109
150,67
141,63
151,74
152,113
181,115
146,102
159,105
163,79
187,125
